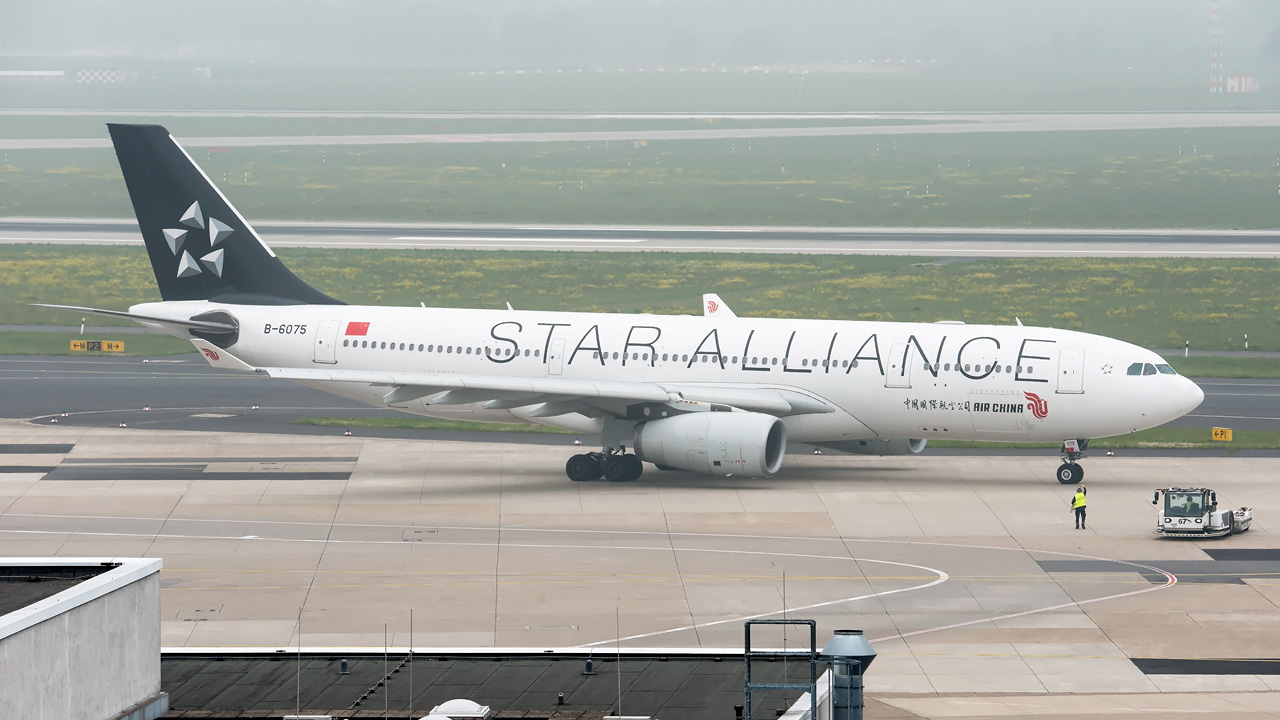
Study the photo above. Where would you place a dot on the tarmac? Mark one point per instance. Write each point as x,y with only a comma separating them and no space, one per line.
950,244
965,571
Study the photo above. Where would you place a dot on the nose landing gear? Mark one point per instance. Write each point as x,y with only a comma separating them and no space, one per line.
1070,472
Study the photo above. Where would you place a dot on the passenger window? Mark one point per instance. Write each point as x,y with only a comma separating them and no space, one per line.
364,343
526,353
401,346
384,346
774,361
1148,369
854,363
1008,368
344,343
1166,369
419,347
537,353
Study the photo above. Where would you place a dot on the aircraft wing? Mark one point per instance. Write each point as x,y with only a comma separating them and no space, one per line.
555,396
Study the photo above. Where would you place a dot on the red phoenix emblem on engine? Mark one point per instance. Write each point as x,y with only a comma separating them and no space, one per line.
209,353
712,306
1039,406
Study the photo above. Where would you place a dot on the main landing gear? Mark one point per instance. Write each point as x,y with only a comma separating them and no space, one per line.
1070,472
614,466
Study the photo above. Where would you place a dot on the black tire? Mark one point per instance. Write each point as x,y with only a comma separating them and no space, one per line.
597,465
616,468
635,468
1067,473
580,468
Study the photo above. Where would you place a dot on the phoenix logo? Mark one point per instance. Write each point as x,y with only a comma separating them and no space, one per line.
1039,406
712,306
209,353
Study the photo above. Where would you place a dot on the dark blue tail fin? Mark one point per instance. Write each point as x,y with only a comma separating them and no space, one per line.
200,246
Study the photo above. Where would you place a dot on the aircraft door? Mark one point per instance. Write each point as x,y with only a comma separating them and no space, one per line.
1071,371
898,373
555,357
326,342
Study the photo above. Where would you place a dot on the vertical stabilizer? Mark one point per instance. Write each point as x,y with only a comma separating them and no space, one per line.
200,246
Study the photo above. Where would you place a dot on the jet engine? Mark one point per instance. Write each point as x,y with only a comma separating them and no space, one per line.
879,446
719,443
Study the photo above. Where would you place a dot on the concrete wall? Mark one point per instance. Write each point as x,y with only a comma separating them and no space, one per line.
90,659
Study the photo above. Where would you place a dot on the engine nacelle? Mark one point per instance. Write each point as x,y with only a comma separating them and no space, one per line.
879,446
718,443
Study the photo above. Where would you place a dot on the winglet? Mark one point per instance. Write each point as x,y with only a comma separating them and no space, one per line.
713,306
218,357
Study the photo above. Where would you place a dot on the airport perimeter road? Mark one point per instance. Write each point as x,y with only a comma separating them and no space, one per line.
925,242
934,124
184,393
965,572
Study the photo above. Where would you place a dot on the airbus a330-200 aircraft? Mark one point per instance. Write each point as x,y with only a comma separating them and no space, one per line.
714,393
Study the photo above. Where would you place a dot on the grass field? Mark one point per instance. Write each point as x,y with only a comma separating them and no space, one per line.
1225,178
44,343
1150,302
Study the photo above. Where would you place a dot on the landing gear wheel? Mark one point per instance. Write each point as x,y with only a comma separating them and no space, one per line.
635,468
580,468
616,468
1070,473
623,468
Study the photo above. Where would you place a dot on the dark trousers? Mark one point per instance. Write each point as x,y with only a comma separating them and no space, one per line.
1080,517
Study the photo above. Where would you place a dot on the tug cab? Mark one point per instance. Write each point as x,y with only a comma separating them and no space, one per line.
1193,512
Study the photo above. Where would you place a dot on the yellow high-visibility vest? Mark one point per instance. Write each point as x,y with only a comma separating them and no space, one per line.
1078,502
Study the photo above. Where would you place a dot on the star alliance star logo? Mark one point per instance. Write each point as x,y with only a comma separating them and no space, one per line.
177,237
1106,369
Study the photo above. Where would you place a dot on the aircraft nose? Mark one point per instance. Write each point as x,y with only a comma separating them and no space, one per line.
1190,395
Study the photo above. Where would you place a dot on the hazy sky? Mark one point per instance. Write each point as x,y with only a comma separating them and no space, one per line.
512,33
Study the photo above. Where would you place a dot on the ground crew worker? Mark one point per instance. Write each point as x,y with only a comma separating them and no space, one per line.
1077,506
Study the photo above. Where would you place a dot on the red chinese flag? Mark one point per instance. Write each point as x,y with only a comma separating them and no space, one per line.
357,328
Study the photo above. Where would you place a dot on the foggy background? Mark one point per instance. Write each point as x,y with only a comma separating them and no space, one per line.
1166,36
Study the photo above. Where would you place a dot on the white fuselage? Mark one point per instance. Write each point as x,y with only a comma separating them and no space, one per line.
888,380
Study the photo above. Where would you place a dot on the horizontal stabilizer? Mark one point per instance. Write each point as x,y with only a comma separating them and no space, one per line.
202,325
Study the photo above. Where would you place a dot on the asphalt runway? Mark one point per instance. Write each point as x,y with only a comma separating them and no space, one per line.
185,393
966,573
924,242
934,124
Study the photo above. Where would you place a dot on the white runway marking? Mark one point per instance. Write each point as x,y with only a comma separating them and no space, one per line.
520,240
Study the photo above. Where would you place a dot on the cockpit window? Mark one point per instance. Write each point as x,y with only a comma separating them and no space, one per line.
1166,369
1134,369
1148,369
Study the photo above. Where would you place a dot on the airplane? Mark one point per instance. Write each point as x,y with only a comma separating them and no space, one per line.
714,393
